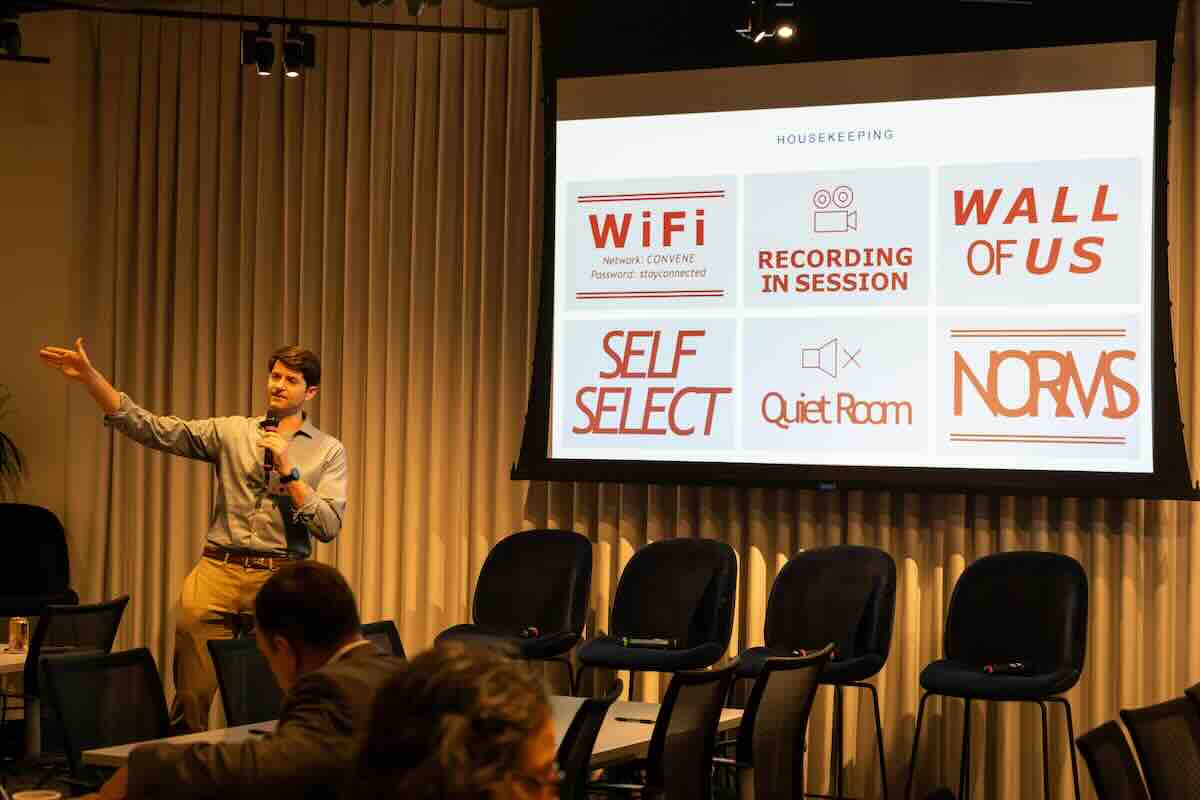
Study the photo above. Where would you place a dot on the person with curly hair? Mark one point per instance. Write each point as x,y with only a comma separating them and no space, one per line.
459,722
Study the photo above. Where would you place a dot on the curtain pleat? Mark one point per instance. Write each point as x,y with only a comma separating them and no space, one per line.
386,211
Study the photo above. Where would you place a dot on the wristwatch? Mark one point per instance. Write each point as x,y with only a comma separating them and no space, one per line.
288,477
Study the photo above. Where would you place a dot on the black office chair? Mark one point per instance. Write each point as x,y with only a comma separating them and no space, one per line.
575,749
249,691
88,628
1167,739
679,763
1028,608
770,742
1110,762
35,571
846,595
532,596
1193,694
105,699
678,590
383,634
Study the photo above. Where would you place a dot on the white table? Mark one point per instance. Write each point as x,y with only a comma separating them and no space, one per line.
117,756
12,663
618,741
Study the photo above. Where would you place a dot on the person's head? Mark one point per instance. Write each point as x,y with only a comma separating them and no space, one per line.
460,722
294,375
303,614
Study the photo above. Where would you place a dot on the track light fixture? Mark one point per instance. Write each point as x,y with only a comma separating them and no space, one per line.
299,51
769,19
258,49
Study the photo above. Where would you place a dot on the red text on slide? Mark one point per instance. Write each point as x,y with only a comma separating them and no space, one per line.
985,256
616,409
1050,373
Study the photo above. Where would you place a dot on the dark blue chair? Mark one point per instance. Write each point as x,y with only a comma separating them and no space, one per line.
35,571
846,595
532,596
1167,739
1111,764
1028,608
771,737
385,636
575,749
679,590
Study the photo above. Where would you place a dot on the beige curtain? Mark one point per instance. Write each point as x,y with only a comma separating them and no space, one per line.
385,210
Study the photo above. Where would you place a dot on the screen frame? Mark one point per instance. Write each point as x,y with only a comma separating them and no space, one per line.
1170,479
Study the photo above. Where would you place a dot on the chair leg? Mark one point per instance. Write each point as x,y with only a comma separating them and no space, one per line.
912,761
1045,751
835,754
964,765
1070,740
883,776
579,678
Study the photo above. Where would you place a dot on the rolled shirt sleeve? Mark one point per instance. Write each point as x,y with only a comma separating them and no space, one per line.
322,512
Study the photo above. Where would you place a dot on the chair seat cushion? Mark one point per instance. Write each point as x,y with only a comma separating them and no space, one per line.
608,652
547,645
967,680
851,670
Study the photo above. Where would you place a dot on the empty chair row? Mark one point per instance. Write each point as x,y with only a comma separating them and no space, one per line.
1016,627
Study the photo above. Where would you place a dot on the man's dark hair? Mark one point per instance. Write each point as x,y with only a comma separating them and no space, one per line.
309,604
299,359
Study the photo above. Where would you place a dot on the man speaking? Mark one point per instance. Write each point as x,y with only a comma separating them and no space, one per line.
279,482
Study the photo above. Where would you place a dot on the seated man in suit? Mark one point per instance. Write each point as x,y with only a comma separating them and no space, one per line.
308,629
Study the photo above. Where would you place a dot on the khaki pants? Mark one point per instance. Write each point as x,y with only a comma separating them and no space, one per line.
214,594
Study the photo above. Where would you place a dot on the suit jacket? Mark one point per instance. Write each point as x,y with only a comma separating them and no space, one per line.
313,746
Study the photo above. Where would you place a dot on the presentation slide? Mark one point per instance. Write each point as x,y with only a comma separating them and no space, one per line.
946,273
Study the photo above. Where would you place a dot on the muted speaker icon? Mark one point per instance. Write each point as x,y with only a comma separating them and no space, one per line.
824,358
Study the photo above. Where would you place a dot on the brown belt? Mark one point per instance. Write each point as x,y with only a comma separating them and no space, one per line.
247,560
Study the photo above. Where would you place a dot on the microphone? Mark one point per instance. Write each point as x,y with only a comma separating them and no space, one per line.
271,423
651,642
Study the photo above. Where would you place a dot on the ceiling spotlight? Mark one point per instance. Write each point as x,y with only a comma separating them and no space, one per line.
10,38
769,19
299,51
258,49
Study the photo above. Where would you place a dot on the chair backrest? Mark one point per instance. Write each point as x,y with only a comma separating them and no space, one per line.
678,589
383,634
249,691
772,732
1167,739
35,559
1193,694
537,578
679,760
1025,606
91,627
105,699
844,594
575,749
1110,762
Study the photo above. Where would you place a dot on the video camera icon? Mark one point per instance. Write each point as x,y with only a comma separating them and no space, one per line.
825,357
839,219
